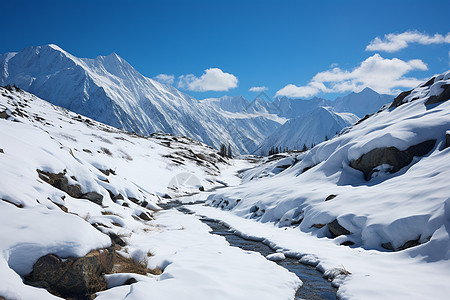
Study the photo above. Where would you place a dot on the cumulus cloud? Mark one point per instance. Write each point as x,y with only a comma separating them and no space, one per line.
396,41
164,78
258,89
213,79
381,74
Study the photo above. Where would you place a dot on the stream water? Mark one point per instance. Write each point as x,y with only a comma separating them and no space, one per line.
314,287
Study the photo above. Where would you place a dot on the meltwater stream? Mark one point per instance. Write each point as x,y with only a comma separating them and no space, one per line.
314,287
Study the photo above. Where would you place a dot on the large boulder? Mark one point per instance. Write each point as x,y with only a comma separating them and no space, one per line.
72,277
396,159
444,96
336,229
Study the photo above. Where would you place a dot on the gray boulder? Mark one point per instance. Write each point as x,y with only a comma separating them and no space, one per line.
391,156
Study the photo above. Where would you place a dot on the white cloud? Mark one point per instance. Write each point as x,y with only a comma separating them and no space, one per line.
213,79
396,41
258,89
164,78
381,74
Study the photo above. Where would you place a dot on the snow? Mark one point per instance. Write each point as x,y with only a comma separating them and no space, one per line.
40,136
202,266
111,91
287,206
276,257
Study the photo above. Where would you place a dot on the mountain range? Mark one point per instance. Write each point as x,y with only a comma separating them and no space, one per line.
109,90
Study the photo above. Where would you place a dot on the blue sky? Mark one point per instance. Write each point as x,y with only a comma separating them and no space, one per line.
294,48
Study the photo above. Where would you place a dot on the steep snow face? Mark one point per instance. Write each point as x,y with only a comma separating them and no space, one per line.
311,128
111,91
365,102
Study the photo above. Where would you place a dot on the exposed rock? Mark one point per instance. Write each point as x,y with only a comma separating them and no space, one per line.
399,99
330,197
388,246
116,240
429,82
1,150
4,115
94,197
72,277
107,172
347,243
406,245
447,140
318,225
390,156
60,182
134,200
18,205
336,229
444,96
129,281
145,217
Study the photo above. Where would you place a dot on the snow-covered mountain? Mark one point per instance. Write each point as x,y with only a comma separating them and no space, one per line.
365,102
111,91
309,129
377,196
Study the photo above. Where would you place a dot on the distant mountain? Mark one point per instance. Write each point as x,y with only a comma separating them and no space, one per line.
311,128
111,91
365,102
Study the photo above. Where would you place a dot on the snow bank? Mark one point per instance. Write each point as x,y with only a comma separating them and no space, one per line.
199,265
320,195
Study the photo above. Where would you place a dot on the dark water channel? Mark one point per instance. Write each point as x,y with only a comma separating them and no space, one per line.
314,287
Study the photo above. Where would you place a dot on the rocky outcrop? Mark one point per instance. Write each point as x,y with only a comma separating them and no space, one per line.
391,156
447,140
406,245
60,181
399,99
330,197
336,229
72,277
444,96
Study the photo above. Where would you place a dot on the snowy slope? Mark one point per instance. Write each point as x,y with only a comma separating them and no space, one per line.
311,128
111,91
67,182
381,188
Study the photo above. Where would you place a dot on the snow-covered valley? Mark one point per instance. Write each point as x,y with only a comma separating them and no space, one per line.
369,208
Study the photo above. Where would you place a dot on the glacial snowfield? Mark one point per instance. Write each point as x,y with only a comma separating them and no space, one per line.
374,201
108,182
